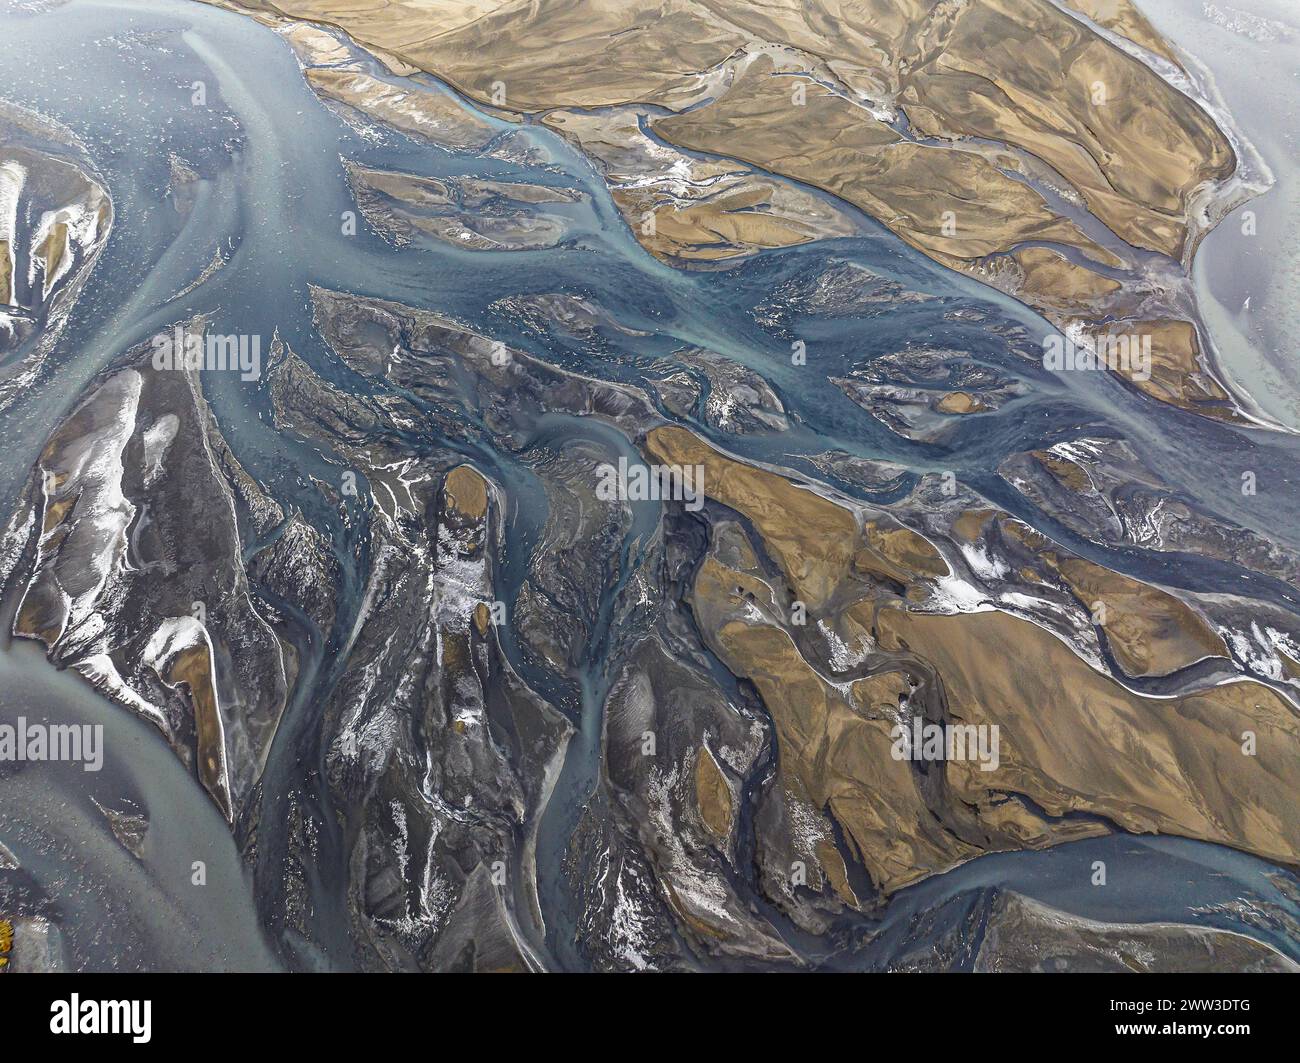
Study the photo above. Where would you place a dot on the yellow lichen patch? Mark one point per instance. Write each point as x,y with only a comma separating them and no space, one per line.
465,493
816,541
833,755
722,228
314,45
1290,666
482,618
1073,739
6,942
1028,75
683,208
839,760
1176,376
712,794
193,667
1150,632
53,252
1052,280
881,693
28,621
907,552
6,274
960,403
425,114
1068,473
1123,18
456,657
922,192
836,873
971,524
811,537
56,512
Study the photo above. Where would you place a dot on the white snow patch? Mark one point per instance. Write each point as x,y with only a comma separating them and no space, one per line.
157,439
